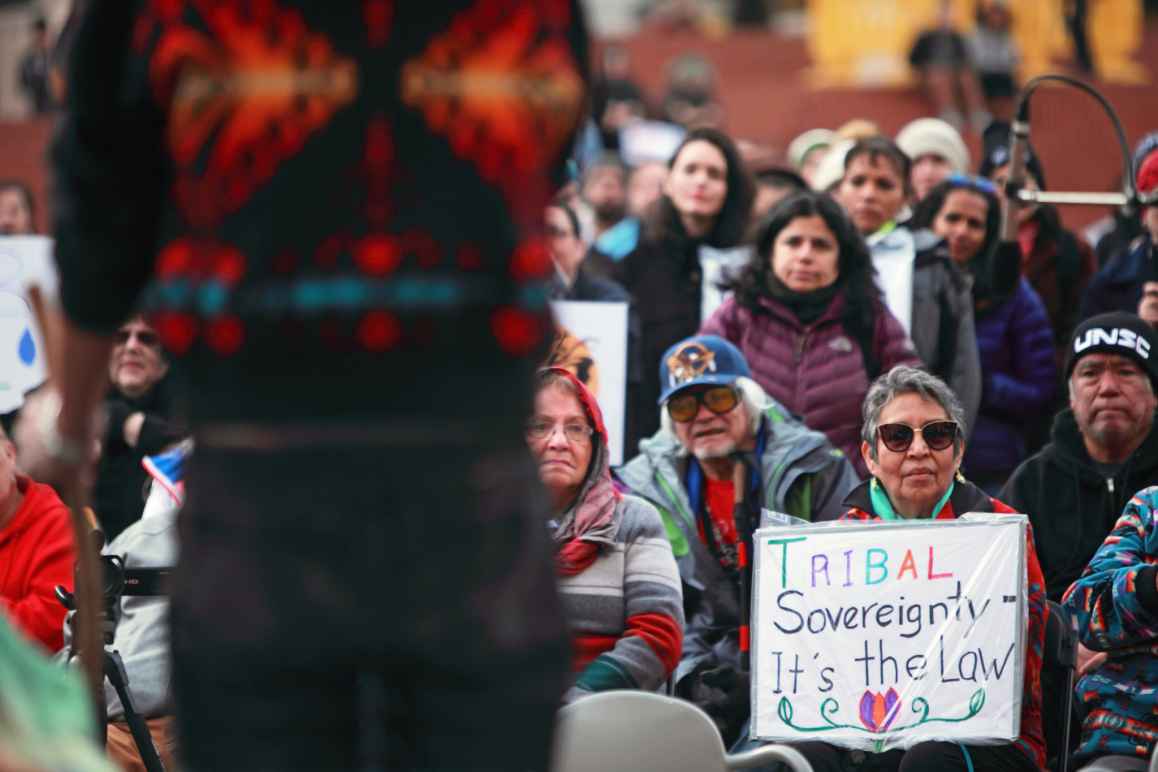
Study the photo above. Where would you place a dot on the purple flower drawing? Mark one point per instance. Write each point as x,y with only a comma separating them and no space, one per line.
877,710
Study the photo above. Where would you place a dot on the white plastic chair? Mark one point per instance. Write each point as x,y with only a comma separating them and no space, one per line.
646,732
1122,764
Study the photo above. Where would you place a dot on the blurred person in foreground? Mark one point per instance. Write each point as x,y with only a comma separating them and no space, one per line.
617,578
724,441
912,441
335,365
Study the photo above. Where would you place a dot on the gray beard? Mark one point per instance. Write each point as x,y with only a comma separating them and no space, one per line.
705,454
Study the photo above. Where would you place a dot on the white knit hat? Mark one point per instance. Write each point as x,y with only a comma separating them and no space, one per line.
933,135
809,140
830,170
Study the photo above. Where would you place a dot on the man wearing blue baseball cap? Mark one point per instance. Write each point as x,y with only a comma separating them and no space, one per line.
725,449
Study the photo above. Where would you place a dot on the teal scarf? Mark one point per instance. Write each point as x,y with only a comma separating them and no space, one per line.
884,508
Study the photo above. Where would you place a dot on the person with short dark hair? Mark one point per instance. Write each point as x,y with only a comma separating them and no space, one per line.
1103,446
921,286
604,190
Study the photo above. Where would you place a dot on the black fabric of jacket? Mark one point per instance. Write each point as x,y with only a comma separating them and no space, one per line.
664,278
279,240
1071,505
119,489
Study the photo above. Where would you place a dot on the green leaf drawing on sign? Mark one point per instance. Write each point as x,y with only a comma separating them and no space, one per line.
919,706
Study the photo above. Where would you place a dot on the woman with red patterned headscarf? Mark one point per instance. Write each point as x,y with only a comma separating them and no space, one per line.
617,577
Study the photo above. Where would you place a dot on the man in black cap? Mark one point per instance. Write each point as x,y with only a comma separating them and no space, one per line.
1103,447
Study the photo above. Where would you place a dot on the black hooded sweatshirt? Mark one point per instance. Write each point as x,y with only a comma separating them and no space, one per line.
1071,505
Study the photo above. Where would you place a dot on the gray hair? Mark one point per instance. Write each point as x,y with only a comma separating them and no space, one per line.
901,380
753,399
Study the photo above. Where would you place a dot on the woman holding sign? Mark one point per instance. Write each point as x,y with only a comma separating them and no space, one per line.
913,442
617,577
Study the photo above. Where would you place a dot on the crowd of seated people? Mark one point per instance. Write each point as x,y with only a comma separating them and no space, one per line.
874,302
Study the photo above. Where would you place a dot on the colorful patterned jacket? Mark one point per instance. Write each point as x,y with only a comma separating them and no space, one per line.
967,497
1116,603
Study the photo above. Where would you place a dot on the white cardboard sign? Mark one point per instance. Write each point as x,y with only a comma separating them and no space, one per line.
878,635
597,355
25,261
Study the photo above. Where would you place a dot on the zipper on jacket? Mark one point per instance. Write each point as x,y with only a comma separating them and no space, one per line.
1110,484
800,344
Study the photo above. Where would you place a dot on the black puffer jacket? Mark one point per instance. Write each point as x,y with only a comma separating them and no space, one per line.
1071,505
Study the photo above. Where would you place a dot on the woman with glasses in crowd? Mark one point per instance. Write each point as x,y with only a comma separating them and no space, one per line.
1013,331
912,441
706,200
809,319
617,577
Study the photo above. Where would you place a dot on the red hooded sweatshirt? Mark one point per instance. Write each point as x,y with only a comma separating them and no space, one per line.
37,552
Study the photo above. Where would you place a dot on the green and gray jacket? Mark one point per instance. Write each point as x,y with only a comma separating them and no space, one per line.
801,474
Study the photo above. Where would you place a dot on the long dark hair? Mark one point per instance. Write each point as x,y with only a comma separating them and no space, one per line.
855,272
981,264
728,230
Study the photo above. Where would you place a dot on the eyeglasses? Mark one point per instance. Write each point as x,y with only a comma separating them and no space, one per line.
969,181
938,435
146,338
574,432
719,399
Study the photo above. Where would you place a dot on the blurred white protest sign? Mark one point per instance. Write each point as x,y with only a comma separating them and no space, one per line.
885,634
594,349
25,261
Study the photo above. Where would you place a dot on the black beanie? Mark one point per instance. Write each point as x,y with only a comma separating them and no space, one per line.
1118,332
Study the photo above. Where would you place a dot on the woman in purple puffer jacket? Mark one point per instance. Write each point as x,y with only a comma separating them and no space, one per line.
1018,370
809,318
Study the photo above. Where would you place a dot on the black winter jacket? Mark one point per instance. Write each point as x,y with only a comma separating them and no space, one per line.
1071,505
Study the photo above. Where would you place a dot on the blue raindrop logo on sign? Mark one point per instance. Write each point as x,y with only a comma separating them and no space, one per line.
27,347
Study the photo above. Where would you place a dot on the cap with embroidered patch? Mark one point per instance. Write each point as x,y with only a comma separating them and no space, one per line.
703,359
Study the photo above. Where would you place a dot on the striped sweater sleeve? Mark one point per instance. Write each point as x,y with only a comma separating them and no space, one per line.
1115,598
648,649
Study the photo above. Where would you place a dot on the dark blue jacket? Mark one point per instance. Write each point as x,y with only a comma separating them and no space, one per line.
1018,376
1118,285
